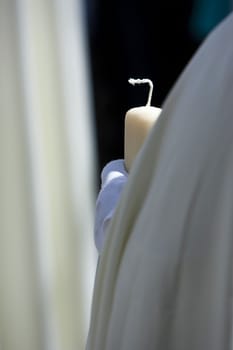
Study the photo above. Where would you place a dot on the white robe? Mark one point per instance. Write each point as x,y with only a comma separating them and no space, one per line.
164,280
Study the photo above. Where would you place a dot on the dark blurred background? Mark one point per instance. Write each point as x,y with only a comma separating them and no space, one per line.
140,39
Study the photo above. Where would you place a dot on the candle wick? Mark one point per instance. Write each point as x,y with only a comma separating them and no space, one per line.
144,81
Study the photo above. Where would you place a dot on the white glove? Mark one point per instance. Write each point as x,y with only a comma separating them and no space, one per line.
113,179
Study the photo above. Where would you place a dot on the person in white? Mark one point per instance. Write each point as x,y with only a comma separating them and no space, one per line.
165,273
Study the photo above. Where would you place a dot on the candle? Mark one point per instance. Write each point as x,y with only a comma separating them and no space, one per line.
138,122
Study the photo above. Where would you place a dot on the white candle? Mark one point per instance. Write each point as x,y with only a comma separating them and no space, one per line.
138,122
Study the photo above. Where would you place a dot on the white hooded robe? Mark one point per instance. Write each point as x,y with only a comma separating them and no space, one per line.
164,280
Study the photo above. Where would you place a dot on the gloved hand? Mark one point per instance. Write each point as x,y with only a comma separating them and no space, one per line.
113,179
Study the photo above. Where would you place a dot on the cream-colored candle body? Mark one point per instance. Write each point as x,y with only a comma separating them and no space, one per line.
138,122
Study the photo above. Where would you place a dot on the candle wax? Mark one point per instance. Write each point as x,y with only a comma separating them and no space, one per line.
138,122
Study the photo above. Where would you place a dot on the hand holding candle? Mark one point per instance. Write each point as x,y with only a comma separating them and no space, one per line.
138,122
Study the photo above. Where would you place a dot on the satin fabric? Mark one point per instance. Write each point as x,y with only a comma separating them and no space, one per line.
164,280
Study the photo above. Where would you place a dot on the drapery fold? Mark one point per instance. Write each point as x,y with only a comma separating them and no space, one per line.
47,180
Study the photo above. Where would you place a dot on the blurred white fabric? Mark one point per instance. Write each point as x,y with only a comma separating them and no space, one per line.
47,254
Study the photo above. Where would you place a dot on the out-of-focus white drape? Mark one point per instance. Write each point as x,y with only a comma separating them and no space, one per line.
47,259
